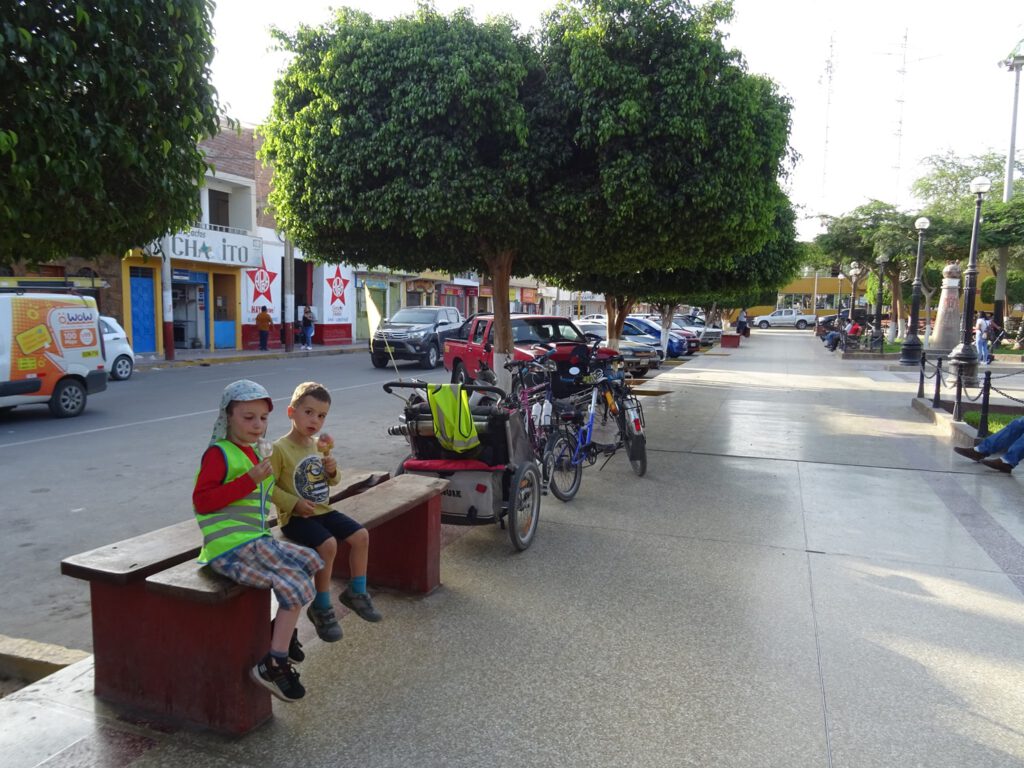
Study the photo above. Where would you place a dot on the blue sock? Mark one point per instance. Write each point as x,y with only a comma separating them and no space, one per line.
280,658
357,585
322,601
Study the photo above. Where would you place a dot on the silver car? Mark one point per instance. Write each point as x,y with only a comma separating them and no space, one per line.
637,356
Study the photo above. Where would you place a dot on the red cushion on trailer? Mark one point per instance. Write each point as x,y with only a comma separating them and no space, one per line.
449,465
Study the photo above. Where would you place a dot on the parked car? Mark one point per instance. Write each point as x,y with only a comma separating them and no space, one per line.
119,355
532,335
708,334
678,345
415,333
785,318
639,357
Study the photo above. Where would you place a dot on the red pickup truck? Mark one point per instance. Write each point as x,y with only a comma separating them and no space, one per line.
475,341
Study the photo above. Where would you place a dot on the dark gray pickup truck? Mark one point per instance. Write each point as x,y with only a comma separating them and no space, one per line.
415,333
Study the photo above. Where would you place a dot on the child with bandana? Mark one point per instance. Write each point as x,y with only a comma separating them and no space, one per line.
231,500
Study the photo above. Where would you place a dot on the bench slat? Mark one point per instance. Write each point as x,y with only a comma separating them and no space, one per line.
390,499
192,581
133,559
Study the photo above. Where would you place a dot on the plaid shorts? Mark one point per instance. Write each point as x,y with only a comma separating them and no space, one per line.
267,563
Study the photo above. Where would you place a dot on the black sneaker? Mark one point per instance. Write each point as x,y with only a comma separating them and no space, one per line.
361,604
280,679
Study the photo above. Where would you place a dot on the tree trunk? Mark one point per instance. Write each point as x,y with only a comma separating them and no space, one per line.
665,310
500,266
617,307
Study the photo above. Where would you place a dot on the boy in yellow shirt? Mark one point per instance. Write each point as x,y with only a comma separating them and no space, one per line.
304,470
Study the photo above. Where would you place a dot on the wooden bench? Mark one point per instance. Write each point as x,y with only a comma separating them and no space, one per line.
176,640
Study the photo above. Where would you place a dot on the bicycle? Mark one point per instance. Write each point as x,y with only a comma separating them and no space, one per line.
571,443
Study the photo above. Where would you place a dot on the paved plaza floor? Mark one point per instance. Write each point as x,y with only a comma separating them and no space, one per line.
807,576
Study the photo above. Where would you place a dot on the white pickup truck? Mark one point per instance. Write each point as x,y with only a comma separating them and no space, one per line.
791,318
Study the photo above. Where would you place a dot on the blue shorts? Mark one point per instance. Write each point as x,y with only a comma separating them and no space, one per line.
314,531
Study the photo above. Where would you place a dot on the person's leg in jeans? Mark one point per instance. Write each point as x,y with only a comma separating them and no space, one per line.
982,346
1009,441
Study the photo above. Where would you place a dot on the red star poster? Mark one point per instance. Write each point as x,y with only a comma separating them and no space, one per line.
262,279
337,285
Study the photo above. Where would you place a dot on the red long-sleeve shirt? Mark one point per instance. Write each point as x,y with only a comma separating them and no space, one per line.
211,493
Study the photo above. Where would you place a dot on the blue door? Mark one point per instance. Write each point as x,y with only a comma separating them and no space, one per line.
143,310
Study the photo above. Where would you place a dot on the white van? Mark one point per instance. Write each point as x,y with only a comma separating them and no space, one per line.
51,351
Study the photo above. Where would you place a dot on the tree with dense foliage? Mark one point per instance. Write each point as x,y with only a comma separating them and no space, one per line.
945,189
866,233
415,143
675,151
104,103
630,138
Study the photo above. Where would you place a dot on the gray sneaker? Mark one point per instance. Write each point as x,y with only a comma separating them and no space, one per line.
361,604
327,627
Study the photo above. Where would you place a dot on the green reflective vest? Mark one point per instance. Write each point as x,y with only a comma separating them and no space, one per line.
453,421
240,521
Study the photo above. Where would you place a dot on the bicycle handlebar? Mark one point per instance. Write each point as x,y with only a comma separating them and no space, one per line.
417,384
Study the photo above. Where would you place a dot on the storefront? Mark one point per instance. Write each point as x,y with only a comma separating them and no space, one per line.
214,274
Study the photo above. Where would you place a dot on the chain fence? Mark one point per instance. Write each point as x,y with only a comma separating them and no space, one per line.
962,387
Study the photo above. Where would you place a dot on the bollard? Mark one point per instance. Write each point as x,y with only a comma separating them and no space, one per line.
958,401
985,387
936,403
920,380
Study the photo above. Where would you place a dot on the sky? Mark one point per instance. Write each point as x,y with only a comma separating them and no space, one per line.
877,86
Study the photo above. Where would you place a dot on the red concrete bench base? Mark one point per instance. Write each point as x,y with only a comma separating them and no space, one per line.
182,661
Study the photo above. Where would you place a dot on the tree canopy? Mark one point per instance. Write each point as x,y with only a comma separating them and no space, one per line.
628,138
674,151
104,103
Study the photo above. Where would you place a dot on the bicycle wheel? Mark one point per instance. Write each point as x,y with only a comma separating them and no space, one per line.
634,442
563,476
524,505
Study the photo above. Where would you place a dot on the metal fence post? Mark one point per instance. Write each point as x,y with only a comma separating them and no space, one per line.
936,403
958,402
920,380
985,387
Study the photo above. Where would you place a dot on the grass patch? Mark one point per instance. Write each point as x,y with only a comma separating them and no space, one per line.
996,421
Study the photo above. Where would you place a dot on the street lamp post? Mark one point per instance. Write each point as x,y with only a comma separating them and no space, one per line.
876,334
1014,62
964,355
910,353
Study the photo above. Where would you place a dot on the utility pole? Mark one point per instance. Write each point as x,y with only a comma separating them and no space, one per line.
166,302
288,286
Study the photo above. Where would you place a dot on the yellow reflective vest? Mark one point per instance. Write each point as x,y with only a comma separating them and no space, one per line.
240,521
453,421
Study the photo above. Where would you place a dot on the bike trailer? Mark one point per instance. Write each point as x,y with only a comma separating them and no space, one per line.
496,482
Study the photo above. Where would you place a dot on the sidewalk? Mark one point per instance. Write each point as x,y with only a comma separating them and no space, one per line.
807,576
215,356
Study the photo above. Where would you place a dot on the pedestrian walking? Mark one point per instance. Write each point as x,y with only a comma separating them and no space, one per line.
264,324
981,338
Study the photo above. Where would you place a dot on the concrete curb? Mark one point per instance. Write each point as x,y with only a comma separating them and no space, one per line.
30,661
958,433
241,357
